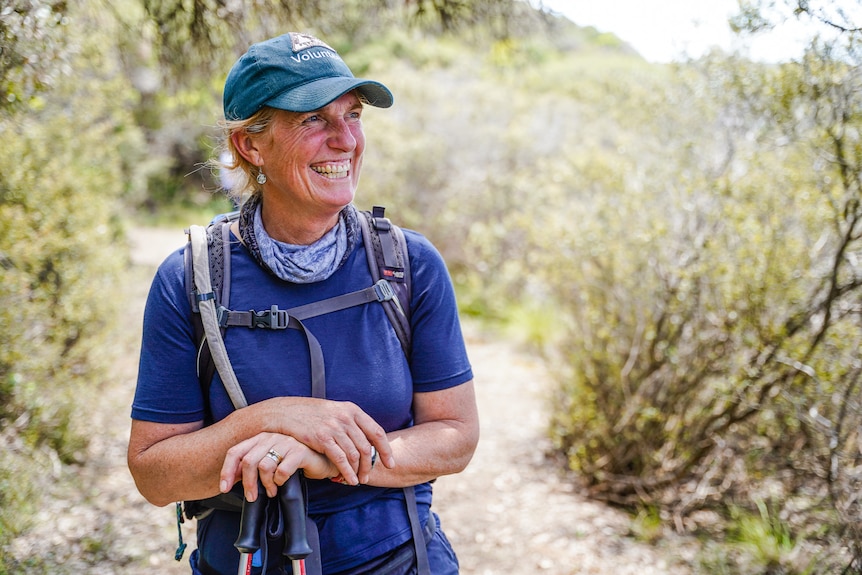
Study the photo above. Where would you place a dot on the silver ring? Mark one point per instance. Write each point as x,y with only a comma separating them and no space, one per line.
373,456
274,455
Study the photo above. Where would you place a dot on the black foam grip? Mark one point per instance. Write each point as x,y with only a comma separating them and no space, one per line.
251,522
290,498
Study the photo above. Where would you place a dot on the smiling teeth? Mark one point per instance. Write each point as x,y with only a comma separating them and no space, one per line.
332,171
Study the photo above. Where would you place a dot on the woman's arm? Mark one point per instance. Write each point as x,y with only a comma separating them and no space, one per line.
175,462
441,442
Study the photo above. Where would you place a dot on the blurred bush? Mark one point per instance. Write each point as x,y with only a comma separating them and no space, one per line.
703,260
71,151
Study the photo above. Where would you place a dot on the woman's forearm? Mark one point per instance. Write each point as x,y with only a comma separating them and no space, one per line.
182,462
425,452
441,442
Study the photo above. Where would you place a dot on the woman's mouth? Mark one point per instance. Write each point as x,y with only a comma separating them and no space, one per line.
333,170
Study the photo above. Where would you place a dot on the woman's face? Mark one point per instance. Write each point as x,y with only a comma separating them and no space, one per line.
312,160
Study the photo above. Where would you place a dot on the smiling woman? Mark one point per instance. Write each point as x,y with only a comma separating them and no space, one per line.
369,436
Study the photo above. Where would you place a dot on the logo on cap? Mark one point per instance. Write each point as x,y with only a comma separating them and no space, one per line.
304,41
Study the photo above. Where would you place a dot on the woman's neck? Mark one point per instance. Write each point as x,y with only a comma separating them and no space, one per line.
293,227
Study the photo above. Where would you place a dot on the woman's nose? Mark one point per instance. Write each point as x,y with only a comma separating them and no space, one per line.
342,136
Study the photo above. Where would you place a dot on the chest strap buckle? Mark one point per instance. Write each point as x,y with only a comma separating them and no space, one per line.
384,291
273,319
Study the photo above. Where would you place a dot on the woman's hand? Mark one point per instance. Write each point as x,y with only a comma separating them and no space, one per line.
340,430
274,458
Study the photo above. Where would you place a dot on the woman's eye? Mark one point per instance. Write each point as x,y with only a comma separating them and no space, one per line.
311,119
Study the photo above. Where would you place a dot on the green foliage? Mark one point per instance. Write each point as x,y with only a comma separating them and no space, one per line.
710,291
18,500
406,48
190,33
68,157
28,28
765,534
760,540
684,298
648,526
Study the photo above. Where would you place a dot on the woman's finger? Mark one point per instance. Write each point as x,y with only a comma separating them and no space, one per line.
231,470
267,468
346,438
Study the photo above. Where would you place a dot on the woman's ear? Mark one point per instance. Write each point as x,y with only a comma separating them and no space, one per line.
247,147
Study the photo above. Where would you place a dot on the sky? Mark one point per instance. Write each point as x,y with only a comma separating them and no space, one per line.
667,30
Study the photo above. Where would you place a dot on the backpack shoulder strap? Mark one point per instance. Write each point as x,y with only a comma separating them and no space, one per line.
206,297
386,250
212,254
218,250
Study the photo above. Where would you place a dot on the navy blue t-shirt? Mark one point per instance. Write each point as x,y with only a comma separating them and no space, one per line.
364,364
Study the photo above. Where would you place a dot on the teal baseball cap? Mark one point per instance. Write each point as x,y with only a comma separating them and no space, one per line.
294,72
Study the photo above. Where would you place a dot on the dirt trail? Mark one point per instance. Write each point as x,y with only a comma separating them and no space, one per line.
507,513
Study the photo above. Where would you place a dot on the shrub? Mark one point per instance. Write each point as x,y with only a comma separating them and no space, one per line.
711,317
61,250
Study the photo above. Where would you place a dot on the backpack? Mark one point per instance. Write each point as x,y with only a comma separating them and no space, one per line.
207,280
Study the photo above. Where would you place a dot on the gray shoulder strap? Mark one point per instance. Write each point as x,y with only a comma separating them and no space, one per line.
206,301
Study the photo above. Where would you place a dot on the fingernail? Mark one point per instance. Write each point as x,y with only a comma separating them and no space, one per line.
223,487
248,496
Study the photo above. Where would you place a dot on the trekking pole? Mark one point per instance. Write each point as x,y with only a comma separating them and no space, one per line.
292,503
250,525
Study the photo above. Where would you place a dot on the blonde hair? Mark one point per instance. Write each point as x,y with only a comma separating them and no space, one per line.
241,172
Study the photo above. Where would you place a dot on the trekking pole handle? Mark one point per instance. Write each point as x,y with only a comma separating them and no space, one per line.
251,522
292,502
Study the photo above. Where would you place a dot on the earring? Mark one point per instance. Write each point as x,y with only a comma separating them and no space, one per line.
261,178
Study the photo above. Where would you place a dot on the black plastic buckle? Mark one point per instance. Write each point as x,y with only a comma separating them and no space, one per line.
382,224
273,319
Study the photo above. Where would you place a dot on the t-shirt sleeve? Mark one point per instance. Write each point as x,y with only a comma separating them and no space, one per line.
439,356
168,390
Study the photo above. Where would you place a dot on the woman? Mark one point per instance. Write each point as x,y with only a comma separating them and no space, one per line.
293,120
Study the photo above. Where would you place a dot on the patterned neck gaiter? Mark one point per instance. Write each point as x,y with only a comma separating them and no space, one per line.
297,263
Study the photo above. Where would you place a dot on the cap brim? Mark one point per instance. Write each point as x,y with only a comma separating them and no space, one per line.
319,93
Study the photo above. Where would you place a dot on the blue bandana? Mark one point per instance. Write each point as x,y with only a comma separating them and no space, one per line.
298,263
